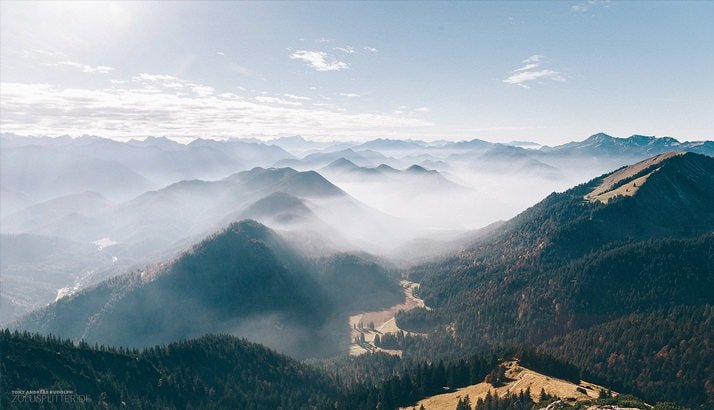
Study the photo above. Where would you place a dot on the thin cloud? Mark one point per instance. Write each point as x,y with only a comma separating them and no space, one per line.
530,63
585,6
296,97
319,60
531,72
101,69
347,50
157,81
422,109
350,95
275,100
220,53
372,49
161,82
156,104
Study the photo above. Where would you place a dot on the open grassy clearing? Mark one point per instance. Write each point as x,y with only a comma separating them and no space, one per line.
370,324
606,190
521,379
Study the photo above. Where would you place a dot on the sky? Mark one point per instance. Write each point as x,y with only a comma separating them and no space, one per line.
548,72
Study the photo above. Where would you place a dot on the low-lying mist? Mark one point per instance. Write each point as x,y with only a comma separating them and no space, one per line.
467,200
403,204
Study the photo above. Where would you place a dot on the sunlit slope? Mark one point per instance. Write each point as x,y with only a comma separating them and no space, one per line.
245,280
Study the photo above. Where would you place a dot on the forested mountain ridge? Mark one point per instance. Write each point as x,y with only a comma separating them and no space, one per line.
244,280
221,371
571,262
214,371
676,201
664,355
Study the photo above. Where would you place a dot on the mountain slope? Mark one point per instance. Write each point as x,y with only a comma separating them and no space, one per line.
159,224
213,371
43,172
571,262
36,270
245,280
120,170
162,220
671,358
279,206
51,216
675,200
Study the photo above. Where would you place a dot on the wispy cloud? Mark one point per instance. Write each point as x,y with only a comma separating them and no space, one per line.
530,63
319,60
372,49
532,71
101,69
347,50
220,53
405,110
157,104
350,95
275,100
585,6
296,97
157,81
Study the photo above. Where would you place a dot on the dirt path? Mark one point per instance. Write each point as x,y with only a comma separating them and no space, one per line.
370,324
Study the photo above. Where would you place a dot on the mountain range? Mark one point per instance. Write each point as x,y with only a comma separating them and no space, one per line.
120,170
608,280
158,224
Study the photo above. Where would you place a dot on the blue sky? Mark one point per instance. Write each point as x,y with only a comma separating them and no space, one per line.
549,72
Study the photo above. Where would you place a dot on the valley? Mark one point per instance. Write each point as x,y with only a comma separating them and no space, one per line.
311,269
364,327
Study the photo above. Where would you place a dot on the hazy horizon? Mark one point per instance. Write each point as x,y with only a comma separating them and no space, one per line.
184,140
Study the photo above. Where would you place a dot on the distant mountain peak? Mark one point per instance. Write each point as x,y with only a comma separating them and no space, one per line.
280,206
636,146
417,169
248,228
292,138
270,170
599,137
390,144
342,163
650,139
385,168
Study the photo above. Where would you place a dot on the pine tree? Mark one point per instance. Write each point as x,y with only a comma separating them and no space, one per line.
464,403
